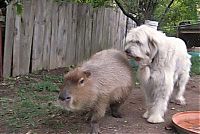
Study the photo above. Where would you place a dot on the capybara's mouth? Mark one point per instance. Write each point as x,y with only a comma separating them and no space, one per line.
64,103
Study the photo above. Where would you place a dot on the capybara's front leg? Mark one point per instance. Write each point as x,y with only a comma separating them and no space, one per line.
98,113
94,127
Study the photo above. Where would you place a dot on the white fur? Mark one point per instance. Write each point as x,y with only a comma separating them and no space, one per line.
164,65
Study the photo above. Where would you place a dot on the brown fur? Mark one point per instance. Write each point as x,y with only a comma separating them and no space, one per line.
105,80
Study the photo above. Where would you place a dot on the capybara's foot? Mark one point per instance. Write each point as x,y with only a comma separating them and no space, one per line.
95,128
116,114
88,117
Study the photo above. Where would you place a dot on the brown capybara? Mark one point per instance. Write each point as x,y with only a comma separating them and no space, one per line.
105,80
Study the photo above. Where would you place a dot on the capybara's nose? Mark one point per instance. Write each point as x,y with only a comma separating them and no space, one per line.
64,97
128,51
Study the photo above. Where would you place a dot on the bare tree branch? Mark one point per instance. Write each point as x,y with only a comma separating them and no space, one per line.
166,10
126,13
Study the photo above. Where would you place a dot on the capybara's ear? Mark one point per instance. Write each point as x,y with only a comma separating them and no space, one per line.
87,73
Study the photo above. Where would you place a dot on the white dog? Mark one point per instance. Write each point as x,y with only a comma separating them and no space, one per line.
164,65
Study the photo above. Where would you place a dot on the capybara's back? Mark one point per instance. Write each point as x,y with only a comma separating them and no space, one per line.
111,73
105,80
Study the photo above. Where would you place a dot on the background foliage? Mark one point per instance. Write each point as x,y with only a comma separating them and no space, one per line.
181,10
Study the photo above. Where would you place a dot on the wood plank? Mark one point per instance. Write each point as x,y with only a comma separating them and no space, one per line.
111,28
100,21
88,32
71,37
94,32
54,37
47,34
16,46
61,45
26,36
123,23
9,41
105,42
116,30
30,32
80,33
98,31
38,39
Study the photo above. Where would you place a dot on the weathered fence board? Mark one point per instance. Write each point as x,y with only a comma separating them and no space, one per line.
49,35
38,38
54,37
61,46
70,42
16,47
80,32
9,42
88,33
28,38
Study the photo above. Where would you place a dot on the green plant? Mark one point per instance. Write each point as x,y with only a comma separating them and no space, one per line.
195,70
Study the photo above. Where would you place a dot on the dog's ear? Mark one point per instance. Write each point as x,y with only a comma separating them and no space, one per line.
153,48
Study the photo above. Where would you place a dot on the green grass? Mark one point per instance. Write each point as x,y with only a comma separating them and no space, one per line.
195,69
33,105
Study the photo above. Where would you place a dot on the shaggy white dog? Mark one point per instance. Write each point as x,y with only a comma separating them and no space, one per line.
164,65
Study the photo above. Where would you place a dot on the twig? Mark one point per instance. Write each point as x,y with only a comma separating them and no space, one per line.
126,13
166,10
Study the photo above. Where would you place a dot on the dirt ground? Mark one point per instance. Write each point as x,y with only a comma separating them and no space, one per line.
131,123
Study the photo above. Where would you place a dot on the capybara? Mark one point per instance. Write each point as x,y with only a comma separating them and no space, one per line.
105,80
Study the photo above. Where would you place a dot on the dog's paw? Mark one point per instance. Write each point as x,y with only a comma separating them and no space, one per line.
180,101
145,115
155,119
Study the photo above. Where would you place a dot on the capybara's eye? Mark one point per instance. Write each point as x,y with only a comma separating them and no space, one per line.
81,81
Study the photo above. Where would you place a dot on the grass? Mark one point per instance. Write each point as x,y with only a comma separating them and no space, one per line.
195,70
33,105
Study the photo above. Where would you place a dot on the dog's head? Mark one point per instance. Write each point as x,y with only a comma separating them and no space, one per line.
141,44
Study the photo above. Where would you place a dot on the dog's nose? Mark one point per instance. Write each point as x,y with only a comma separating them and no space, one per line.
128,51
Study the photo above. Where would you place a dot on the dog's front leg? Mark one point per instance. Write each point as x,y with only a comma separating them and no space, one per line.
161,83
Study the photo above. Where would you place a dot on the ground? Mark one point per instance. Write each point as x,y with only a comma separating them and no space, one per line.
27,106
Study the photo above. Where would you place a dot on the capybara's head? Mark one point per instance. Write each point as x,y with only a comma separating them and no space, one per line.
77,92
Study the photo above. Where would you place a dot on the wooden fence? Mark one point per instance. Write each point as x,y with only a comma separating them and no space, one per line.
49,35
